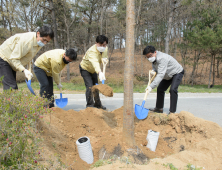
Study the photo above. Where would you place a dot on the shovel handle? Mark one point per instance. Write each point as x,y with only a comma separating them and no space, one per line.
149,84
146,95
150,81
30,69
104,67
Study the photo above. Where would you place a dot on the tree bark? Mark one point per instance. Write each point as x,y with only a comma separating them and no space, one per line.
128,113
218,72
101,18
213,69
169,27
210,71
54,23
3,15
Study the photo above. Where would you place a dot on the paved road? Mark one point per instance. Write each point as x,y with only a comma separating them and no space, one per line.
204,105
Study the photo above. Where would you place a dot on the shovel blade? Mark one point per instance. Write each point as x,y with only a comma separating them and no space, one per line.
62,102
141,112
29,86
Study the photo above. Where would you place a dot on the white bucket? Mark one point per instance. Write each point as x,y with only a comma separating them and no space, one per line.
85,149
152,139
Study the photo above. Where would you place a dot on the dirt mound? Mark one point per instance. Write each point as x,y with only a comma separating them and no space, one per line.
104,89
183,138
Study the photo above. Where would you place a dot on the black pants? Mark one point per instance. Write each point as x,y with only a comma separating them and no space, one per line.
90,80
46,85
163,86
9,80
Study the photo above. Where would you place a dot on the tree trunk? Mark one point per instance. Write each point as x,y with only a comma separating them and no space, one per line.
3,15
54,24
68,46
169,27
218,72
213,69
128,113
196,59
101,18
210,71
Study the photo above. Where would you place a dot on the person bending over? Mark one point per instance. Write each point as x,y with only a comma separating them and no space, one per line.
18,51
169,73
48,66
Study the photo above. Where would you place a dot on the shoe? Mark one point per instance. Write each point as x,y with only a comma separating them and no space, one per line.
158,110
100,107
170,112
51,105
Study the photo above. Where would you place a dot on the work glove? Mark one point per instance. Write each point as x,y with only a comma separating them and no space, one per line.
152,73
101,76
59,86
105,60
27,73
149,89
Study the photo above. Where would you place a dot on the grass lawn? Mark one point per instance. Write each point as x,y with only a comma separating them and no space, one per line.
80,88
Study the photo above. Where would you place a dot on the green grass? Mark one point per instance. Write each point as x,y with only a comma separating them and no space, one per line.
80,88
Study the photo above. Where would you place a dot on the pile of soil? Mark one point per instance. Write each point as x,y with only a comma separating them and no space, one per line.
104,89
183,139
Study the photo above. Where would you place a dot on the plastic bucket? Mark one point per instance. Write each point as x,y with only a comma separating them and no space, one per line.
85,149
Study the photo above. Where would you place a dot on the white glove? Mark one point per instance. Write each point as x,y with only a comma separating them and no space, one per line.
149,89
101,76
59,86
28,74
152,73
105,60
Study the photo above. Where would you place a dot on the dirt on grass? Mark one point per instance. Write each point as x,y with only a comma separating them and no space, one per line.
184,139
104,89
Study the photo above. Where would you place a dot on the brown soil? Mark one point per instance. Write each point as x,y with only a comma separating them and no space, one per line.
104,89
183,139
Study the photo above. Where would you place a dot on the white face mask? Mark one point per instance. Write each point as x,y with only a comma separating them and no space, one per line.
151,59
101,49
40,43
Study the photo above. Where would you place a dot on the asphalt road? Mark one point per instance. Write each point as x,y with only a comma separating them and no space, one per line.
204,105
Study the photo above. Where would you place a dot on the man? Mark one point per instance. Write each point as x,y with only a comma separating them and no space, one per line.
90,68
18,51
48,66
169,72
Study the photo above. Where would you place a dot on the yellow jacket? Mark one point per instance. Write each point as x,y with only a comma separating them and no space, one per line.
52,63
92,59
19,50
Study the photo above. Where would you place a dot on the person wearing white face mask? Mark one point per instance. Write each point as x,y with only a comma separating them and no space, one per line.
90,69
18,51
48,67
169,73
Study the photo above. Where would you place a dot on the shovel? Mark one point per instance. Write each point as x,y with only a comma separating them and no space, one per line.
29,80
62,102
104,69
140,111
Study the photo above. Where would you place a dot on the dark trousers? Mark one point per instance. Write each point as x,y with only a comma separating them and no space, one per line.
163,86
9,80
46,85
90,80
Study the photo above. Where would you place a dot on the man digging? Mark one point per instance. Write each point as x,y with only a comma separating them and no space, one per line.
169,72
48,66
18,51
90,68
